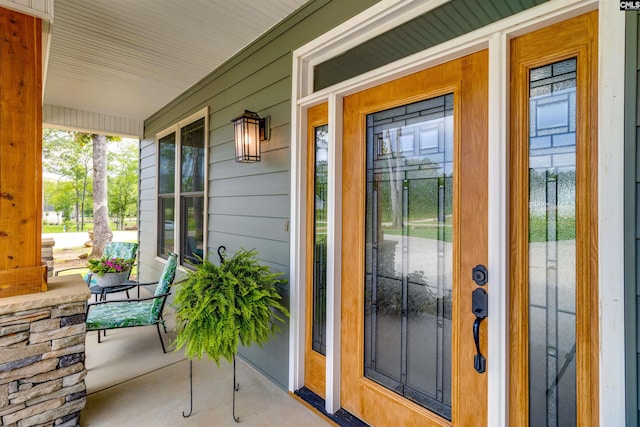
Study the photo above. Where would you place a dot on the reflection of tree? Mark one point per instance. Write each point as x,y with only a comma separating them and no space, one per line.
423,298
410,190
321,148
552,214
321,170
395,163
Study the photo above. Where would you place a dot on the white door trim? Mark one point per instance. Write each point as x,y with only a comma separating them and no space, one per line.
495,37
611,66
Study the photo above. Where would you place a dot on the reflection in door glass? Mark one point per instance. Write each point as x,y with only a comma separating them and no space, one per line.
552,244
319,340
408,282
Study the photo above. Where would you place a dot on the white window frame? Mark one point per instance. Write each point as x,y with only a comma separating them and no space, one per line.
391,13
201,114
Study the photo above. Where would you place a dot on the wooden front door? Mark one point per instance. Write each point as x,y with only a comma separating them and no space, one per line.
414,224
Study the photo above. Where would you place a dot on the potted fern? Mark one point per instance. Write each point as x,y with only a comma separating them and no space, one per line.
219,307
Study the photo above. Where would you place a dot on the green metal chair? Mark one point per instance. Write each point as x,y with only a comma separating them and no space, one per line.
114,314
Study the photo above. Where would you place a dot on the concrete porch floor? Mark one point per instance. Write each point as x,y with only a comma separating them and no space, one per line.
131,382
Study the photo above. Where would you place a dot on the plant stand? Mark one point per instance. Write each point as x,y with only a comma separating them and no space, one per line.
236,387
260,297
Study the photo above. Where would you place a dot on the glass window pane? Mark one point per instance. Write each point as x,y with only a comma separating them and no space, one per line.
552,245
319,341
166,225
409,258
167,164
192,157
192,229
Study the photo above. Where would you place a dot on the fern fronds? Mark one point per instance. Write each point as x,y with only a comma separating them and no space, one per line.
219,307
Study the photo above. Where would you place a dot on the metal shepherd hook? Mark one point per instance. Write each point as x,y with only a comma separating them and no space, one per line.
236,386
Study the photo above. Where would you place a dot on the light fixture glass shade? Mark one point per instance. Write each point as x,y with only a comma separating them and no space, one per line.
247,137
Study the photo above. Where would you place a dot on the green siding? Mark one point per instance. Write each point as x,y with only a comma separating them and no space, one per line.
632,218
447,22
249,204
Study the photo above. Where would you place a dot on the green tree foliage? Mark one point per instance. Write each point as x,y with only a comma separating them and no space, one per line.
69,155
60,195
219,307
123,181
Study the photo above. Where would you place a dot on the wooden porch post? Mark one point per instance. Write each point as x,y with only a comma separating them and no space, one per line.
21,271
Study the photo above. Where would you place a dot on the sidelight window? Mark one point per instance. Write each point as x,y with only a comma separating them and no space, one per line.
552,244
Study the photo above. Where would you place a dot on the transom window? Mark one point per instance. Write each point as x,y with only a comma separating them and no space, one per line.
181,189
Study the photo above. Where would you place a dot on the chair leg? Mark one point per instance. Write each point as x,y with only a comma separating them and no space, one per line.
164,325
98,336
160,335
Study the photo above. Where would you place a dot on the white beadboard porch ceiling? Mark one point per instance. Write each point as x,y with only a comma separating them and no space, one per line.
116,62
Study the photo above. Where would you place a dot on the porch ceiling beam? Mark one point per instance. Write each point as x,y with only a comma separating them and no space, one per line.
55,116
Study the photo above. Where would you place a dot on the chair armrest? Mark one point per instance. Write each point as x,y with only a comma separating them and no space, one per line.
134,283
127,300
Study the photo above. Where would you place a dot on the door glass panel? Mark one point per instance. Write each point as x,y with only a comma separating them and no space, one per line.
321,143
552,244
409,261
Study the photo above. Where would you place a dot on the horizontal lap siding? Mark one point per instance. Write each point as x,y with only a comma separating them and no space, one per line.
149,269
249,204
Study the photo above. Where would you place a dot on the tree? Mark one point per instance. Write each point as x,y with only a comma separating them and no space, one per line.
70,156
60,195
123,181
76,157
101,231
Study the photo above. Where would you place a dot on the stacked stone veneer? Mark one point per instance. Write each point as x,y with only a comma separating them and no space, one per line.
47,254
42,353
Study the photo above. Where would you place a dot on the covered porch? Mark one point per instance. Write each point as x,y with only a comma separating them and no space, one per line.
265,205
130,382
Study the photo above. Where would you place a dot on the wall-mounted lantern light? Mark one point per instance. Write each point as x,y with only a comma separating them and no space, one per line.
250,130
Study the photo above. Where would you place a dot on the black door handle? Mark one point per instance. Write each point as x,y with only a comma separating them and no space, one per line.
479,361
479,304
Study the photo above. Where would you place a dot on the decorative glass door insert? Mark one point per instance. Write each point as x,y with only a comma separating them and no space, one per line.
552,244
320,202
409,251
